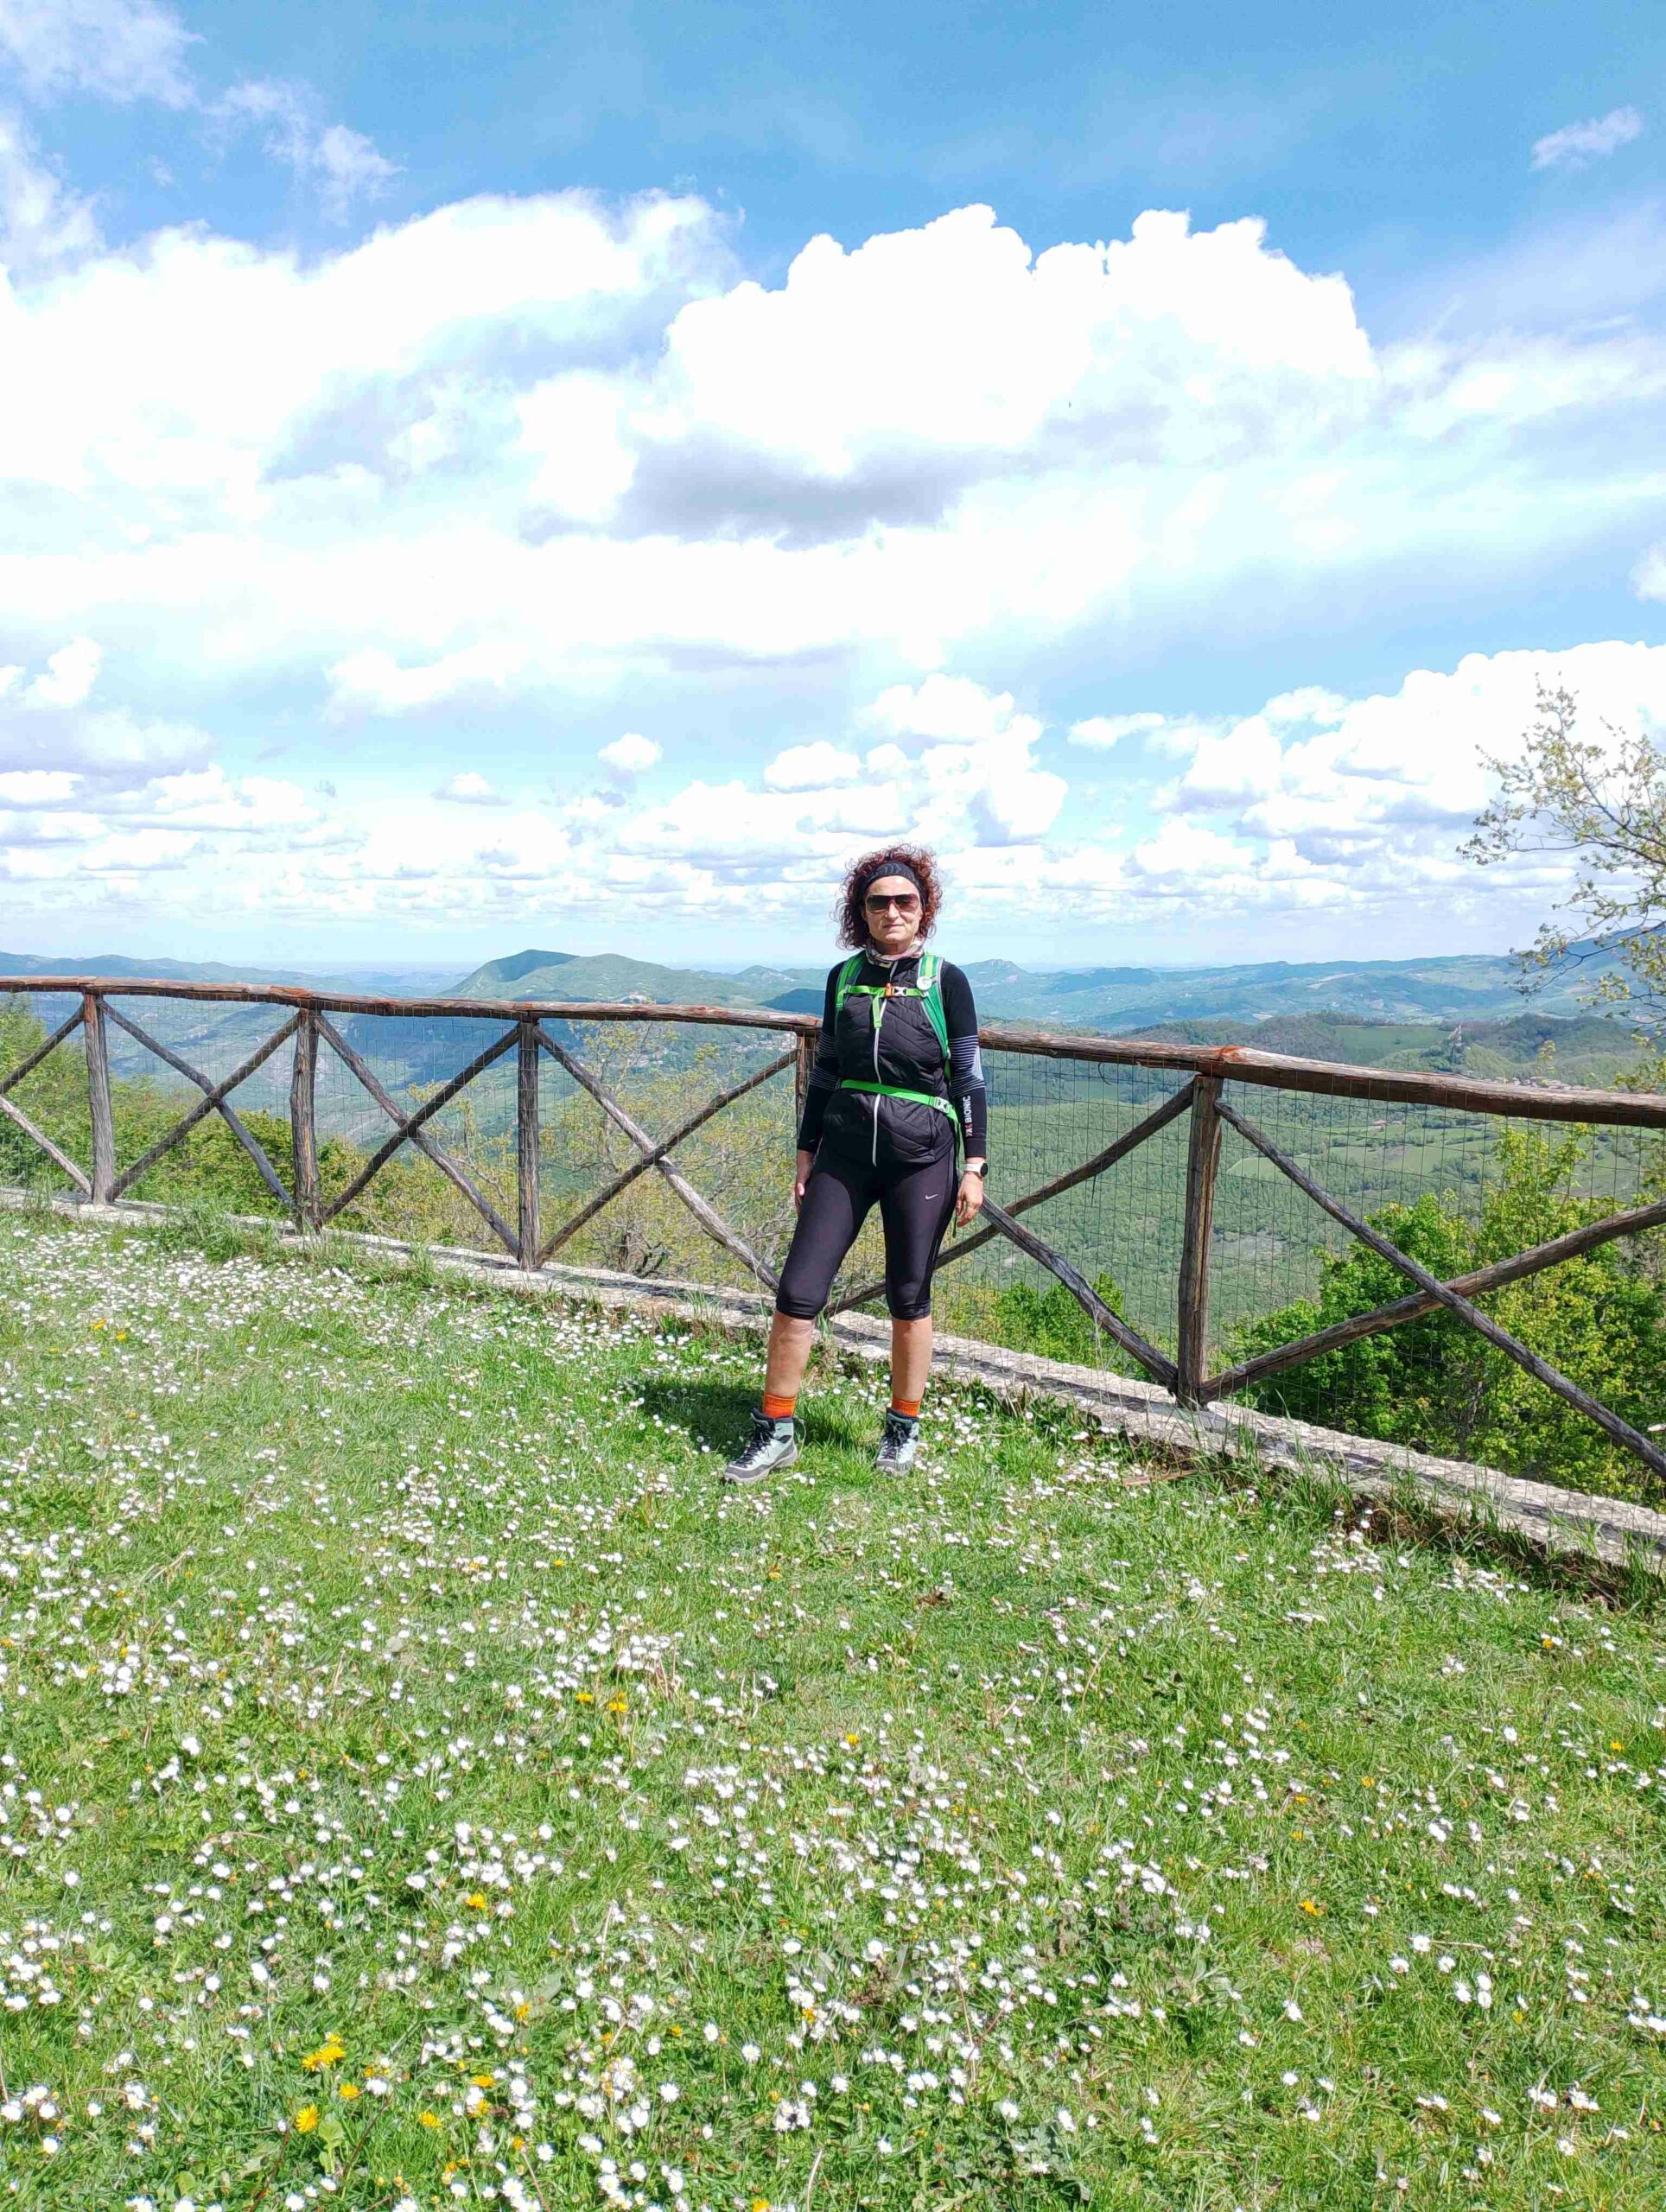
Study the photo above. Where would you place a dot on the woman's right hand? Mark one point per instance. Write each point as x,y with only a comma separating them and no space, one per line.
806,1160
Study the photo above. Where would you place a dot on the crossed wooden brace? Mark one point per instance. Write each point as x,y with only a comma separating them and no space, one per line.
408,1127
76,1173
1432,1292
213,1100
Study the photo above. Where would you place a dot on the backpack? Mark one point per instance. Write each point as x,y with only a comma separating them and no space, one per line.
928,988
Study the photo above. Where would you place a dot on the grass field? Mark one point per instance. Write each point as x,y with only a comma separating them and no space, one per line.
421,1786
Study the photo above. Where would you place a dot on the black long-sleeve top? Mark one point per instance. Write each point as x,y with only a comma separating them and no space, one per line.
909,1059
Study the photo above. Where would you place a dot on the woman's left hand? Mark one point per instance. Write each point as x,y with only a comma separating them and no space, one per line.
970,1204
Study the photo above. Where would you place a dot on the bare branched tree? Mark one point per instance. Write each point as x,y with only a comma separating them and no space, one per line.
1602,801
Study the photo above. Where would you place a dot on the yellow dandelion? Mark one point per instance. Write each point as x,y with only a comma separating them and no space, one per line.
482,2080
306,2120
618,1704
427,2118
586,1697
476,1900
349,2090
330,2052
1309,1906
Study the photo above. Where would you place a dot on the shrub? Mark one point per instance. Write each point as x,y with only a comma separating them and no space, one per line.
1050,1324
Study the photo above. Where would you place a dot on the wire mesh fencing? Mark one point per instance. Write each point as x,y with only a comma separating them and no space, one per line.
1122,1227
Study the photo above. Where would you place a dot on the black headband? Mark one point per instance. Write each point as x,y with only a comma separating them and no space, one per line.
891,867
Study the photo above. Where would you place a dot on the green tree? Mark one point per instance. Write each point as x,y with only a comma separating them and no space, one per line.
1601,800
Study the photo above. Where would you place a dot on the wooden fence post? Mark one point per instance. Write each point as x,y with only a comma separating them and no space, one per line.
1203,1159
97,1094
303,1122
808,1044
526,1146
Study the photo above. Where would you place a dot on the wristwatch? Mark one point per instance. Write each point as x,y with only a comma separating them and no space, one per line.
978,1168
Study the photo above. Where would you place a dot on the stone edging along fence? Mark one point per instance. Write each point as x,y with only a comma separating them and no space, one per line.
1554,1522
1183,1403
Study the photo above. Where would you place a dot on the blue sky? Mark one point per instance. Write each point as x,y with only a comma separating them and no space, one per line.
528,475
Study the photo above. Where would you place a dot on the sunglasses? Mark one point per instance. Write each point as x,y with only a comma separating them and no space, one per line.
907,903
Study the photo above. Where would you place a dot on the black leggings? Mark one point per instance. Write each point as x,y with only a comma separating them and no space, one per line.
916,1206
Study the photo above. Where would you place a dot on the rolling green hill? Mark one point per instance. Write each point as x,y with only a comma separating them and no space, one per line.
1591,1049
1465,1011
605,976
1216,1004
1427,998
400,982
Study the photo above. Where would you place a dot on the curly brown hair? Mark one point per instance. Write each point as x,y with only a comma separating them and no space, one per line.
853,922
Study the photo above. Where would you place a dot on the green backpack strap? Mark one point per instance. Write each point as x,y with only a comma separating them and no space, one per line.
931,989
928,984
848,975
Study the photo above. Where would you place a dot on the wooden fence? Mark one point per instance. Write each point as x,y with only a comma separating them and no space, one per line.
306,1022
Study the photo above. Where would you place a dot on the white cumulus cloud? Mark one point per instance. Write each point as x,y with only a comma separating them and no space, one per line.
397,472
1577,144
1380,791
43,222
1648,577
69,676
119,49
633,754
342,164
469,788
811,767
130,50
1100,732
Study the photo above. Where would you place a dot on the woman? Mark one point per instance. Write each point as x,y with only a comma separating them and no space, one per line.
897,1081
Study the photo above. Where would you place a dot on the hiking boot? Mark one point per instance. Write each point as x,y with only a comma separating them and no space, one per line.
898,1445
773,1444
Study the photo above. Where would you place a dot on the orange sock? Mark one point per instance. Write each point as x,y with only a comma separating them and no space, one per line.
779,1409
907,1407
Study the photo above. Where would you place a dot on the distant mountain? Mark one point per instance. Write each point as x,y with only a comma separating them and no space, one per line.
1586,1049
493,981
1462,987
1262,999
116,963
603,976
390,982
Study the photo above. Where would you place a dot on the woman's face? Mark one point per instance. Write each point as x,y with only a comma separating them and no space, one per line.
890,905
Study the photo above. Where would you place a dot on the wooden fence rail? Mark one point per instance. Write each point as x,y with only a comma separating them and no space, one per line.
526,1029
